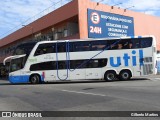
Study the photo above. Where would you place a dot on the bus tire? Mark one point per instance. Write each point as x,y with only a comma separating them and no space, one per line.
110,75
35,79
125,75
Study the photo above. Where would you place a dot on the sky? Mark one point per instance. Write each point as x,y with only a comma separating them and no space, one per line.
15,13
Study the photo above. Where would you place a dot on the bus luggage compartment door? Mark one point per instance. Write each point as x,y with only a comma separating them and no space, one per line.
94,73
77,74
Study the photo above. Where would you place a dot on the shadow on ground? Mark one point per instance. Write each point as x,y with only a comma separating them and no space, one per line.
72,82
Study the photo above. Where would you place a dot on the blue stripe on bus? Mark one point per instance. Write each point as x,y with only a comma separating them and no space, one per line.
22,79
19,79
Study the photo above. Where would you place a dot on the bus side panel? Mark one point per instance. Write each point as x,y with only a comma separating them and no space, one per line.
94,73
77,74
62,74
50,75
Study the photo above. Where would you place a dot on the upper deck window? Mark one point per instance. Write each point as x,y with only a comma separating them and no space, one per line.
45,48
25,48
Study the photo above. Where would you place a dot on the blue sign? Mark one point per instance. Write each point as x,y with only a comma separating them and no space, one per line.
104,24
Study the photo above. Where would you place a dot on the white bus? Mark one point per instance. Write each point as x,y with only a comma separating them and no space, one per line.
104,58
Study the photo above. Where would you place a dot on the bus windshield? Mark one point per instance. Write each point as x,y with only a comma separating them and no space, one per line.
17,63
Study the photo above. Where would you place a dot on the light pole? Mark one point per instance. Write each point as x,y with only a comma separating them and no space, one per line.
98,3
128,8
31,29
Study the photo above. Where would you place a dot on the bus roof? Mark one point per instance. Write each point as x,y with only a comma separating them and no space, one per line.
108,38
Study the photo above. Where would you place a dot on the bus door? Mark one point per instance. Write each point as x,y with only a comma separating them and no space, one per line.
61,61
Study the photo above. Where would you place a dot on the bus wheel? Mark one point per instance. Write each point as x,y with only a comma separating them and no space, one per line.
125,75
110,75
35,79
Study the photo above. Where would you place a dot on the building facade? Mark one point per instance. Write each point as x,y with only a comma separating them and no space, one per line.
82,19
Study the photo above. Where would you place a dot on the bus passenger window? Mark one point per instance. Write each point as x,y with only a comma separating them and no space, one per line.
120,46
45,48
130,46
71,47
40,51
61,49
146,42
111,45
98,45
102,62
136,43
62,65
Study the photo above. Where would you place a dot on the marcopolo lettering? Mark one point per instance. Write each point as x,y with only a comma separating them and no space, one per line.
116,61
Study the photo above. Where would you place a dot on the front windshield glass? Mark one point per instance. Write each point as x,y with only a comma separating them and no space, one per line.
17,64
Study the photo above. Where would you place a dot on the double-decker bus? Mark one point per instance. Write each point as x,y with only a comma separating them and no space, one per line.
103,58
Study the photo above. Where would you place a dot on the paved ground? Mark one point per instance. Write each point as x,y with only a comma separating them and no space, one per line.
137,94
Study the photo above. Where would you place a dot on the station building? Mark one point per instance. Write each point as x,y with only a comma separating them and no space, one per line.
82,19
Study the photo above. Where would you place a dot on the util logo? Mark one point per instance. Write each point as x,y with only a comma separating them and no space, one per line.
95,18
116,62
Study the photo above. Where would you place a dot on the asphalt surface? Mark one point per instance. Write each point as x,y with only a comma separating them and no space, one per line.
138,94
